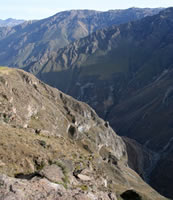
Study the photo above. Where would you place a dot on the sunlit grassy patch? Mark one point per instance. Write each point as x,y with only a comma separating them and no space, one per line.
5,70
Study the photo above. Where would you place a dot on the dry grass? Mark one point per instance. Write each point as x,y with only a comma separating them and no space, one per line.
22,151
5,70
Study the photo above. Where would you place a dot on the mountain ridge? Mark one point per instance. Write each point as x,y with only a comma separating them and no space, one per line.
10,22
35,40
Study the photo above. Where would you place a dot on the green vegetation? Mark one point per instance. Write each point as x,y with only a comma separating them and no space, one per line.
83,187
5,70
39,166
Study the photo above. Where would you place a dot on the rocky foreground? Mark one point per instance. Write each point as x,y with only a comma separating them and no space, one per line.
53,147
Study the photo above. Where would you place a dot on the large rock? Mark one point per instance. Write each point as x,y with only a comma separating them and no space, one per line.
53,173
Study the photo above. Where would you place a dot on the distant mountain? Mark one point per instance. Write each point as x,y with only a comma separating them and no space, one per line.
10,22
55,147
125,73
23,45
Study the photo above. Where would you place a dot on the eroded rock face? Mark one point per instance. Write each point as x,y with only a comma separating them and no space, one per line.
28,103
57,147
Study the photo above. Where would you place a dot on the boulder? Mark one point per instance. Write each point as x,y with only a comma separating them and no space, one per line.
53,173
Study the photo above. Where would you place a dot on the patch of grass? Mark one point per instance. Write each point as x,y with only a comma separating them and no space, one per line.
42,143
63,184
39,166
6,117
83,187
36,123
5,70
74,156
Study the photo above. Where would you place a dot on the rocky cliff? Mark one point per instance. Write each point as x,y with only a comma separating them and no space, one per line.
54,147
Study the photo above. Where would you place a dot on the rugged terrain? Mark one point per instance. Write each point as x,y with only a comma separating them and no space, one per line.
21,46
125,73
54,147
10,22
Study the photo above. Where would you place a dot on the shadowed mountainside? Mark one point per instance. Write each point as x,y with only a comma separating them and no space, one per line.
21,46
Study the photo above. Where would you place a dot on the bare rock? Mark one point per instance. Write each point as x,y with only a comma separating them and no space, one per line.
112,196
81,197
84,177
2,163
41,188
53,173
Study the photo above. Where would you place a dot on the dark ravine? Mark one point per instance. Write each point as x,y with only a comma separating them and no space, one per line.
55,147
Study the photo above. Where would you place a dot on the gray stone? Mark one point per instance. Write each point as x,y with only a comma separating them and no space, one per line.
53,173
84,177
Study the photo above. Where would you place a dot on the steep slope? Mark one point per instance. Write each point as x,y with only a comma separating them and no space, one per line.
124,73
147,117
58,148
23,45
10,22
128,56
